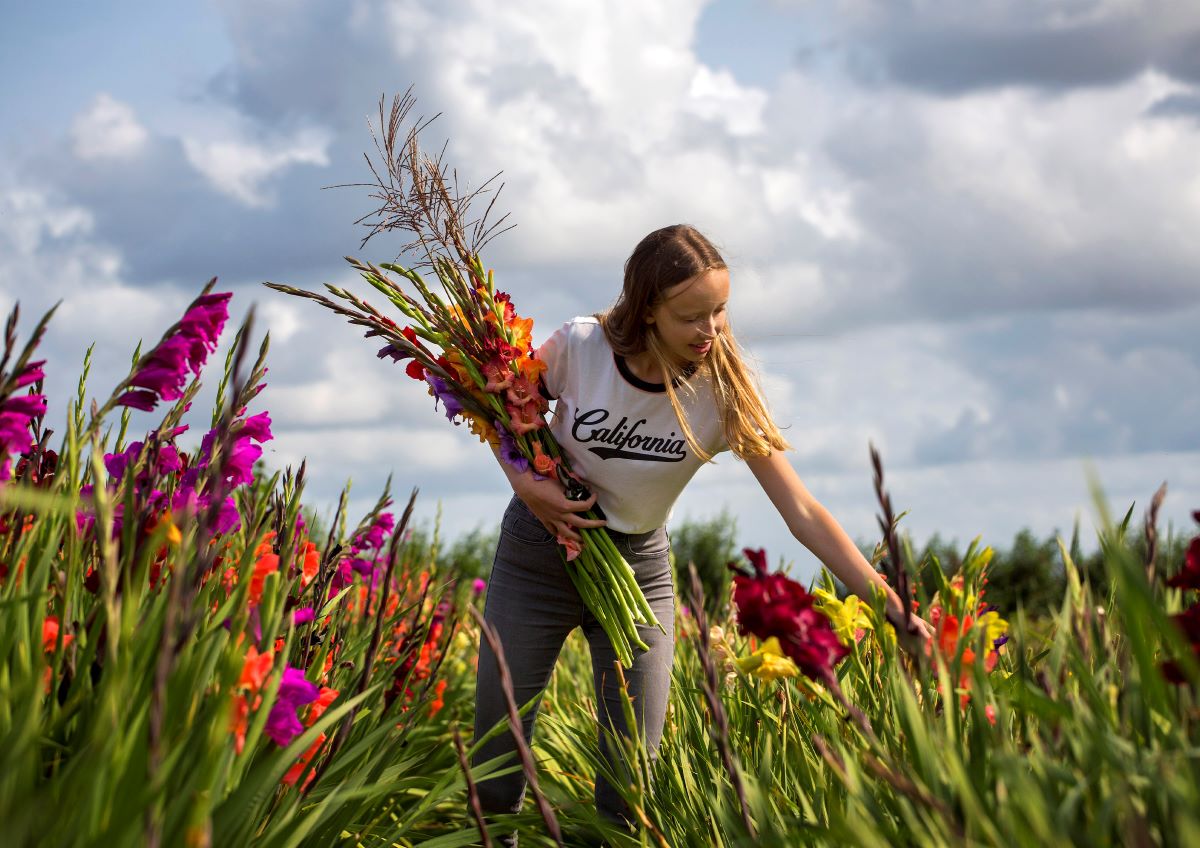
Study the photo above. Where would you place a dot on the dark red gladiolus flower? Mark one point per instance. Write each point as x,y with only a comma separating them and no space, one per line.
1189,622
775,605
1189,576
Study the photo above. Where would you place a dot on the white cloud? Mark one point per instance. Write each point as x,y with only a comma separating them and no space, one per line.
108,129
241,168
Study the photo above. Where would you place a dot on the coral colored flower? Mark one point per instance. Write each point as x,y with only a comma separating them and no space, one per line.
498,375
524,419
522,333
294,692
531,368
239,722
523,391
573,547
297,769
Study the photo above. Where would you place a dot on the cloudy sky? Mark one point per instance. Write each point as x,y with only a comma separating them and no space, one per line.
966,231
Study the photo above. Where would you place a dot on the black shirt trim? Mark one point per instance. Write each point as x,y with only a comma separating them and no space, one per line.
638,383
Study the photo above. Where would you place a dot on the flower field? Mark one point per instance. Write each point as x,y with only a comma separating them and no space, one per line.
186,660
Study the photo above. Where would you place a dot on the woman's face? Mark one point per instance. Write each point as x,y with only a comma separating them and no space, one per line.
691,314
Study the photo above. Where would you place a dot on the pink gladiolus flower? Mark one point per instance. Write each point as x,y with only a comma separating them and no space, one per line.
478,586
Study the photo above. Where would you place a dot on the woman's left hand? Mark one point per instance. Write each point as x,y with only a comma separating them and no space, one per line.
916,637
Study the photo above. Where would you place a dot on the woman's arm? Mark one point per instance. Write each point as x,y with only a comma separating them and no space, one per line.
817,530
546,500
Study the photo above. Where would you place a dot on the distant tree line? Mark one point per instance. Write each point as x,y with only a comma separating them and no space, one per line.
1027,574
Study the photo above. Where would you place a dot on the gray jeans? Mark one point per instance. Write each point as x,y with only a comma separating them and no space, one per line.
533,605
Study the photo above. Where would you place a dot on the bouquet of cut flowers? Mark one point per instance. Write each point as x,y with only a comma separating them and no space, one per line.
475,352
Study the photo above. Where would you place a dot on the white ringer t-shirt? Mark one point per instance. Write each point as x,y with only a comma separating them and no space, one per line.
620,432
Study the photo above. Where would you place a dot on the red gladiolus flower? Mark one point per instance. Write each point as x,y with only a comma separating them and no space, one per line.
415,370
775,605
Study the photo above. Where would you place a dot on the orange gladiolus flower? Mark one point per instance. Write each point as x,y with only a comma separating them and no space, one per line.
50,635
522,333
255,669
531,368
310,563
438,701
543,464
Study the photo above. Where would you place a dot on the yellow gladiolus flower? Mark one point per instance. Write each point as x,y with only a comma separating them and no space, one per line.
768,662
847,617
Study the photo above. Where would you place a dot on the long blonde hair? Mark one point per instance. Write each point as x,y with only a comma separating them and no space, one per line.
663,259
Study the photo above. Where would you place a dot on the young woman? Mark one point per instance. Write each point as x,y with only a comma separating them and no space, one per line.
645,394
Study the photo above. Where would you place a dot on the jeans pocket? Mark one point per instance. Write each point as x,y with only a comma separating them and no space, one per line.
523,526
649,545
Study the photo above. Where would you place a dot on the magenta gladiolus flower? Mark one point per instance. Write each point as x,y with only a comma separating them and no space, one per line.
31,406
303,616
257,427
31,373
294,692
164,371
478,586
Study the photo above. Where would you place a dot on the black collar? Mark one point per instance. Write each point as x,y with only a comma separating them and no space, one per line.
646,386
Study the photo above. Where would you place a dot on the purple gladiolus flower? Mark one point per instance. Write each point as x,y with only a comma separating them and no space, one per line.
443,393
509,451
395,353
164,371
294,692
